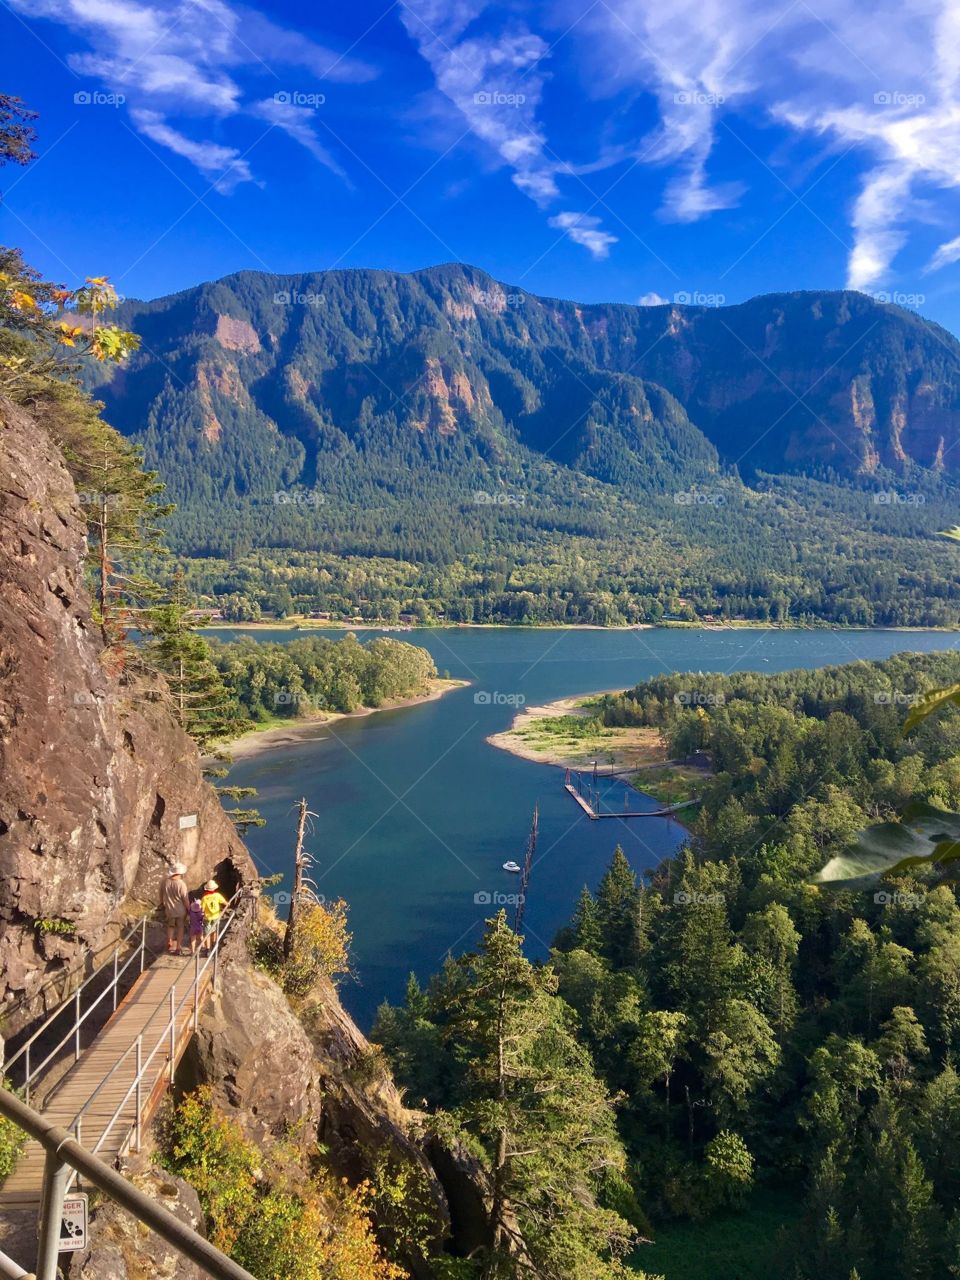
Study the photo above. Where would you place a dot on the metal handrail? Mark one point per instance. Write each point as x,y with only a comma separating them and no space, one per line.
168,1033
24,1051
63,1153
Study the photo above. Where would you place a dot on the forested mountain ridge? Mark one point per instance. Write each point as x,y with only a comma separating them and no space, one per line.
837,378
455,429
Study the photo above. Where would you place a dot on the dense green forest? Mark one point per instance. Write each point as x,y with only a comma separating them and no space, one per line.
314,674
438,445
759,1033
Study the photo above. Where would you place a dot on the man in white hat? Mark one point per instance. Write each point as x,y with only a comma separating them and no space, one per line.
175,902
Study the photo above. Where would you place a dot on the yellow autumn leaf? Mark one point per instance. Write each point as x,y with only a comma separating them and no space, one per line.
22,301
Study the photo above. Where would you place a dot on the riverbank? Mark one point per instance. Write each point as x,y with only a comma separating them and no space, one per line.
295,624
305,729
561,734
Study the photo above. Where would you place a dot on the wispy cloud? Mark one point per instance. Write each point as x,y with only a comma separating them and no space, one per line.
583,228
178,65
224,166
495,79
886,86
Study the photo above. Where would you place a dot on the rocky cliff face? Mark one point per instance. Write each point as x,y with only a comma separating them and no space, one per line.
100,790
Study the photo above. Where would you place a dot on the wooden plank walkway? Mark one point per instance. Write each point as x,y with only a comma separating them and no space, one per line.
144,1010
623,813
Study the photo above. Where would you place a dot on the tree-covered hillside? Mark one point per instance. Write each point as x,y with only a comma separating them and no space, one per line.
364,442
763,1034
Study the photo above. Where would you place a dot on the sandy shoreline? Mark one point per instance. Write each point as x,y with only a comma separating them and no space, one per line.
629,748
257,741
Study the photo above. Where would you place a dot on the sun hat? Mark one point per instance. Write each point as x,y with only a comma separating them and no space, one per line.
211,885
178,869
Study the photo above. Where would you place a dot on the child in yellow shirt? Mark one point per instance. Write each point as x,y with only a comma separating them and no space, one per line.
212,904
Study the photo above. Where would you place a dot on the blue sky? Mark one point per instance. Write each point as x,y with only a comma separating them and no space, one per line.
603,149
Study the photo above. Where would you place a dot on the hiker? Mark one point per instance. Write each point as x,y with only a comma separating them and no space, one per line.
212,903
174,901
195,915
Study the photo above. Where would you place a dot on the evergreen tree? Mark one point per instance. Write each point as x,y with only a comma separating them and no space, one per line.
618,912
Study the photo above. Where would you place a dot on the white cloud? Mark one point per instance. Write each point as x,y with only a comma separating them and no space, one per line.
223,165
885,86
296,121
948,253
495,80
583,228
652,300
176,63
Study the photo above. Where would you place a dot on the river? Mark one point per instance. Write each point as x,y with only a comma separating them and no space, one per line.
417,812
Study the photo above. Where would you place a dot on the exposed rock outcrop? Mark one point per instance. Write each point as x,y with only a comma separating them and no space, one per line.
120,1248
317,1079
100,790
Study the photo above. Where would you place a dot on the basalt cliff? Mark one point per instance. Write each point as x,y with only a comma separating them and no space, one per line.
100,792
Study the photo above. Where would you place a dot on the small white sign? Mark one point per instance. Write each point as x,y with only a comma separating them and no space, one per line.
73,1224
188,820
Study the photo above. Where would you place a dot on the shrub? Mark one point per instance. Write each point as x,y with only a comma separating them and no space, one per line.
311,1228
321,944
12,1140
729,1168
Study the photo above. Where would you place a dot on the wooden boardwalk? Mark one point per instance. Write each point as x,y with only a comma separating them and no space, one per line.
144,1010
624,813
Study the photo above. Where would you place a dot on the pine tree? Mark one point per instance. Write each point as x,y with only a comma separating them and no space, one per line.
586,932
202,704
619,912
538,1112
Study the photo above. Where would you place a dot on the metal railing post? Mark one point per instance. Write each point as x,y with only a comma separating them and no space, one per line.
173,1031
55,1174
139,1100
116,961
76,1040
143,942
216,956
196,989
26,1090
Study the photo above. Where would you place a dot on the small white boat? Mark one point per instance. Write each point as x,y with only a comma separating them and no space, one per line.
511,866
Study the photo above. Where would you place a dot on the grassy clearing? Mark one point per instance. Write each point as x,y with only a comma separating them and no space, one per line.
732,1246
577,739
673,783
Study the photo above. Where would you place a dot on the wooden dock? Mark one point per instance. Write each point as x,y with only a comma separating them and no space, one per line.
144,1011
593,814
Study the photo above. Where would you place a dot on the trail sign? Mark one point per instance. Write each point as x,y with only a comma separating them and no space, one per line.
73,1224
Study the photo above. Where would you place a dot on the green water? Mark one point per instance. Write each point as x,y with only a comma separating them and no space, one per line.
417,812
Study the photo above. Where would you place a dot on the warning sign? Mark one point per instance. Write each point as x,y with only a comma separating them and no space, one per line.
73,1224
